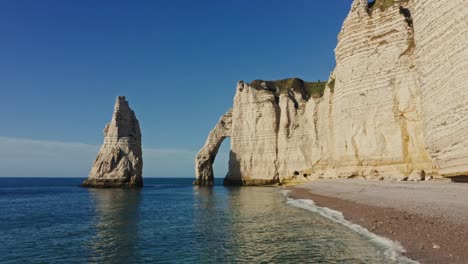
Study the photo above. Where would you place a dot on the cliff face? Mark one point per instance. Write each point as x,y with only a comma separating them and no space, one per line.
273,134
376,106
395,107
253,150
441,36
119,162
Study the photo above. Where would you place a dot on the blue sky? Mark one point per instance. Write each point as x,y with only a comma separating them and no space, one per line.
63,62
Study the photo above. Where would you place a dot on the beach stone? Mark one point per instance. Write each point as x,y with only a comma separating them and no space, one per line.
119,162
418,175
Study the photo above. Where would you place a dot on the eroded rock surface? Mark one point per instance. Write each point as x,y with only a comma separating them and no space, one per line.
206,156
263,148
119,162
441,41
395,106
376,107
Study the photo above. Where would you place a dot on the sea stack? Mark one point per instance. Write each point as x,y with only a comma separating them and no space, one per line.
119,162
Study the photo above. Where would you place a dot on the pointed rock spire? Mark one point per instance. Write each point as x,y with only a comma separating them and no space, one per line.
119,162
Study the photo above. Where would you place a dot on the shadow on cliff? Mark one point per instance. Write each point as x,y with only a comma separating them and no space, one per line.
460,179
115,225
233,176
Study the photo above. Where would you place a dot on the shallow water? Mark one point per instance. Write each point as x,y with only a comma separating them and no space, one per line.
169,221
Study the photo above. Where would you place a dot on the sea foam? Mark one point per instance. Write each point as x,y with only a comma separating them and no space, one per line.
391,249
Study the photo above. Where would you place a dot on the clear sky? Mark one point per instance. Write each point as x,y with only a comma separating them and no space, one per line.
63,62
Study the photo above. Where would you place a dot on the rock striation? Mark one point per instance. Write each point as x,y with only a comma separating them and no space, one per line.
441,40
376,107
119,162
271,125
395,106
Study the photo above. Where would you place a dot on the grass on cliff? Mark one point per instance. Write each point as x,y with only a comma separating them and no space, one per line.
311,89
383,4
315,89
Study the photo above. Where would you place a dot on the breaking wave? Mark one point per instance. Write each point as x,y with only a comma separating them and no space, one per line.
391,249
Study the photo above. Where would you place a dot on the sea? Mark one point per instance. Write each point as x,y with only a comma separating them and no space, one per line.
52,220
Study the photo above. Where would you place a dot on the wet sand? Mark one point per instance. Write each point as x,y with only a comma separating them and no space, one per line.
429,219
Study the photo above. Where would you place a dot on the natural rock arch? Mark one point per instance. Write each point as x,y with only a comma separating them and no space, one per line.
206,156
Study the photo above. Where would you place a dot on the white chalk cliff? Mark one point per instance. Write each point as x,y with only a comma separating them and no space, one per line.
441,40
206,157
395,107
119,162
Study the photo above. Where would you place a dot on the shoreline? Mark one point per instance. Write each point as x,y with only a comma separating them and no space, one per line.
420,216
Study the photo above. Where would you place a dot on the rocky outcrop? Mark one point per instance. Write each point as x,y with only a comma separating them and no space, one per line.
119,162
206,156
395,107
265,139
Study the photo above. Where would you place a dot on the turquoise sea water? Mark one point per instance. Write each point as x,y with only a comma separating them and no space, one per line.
170,221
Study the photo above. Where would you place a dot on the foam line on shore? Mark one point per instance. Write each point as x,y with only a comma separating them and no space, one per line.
391,249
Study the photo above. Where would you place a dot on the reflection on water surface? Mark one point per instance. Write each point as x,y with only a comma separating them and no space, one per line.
115,225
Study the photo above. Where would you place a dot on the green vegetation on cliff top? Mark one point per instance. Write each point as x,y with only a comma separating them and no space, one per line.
311,89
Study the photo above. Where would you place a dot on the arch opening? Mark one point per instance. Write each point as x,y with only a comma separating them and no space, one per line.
207,155
221,161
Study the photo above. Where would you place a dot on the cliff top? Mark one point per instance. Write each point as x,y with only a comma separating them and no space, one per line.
311,89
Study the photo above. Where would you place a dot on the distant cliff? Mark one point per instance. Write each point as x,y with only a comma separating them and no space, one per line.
396,105
119,162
